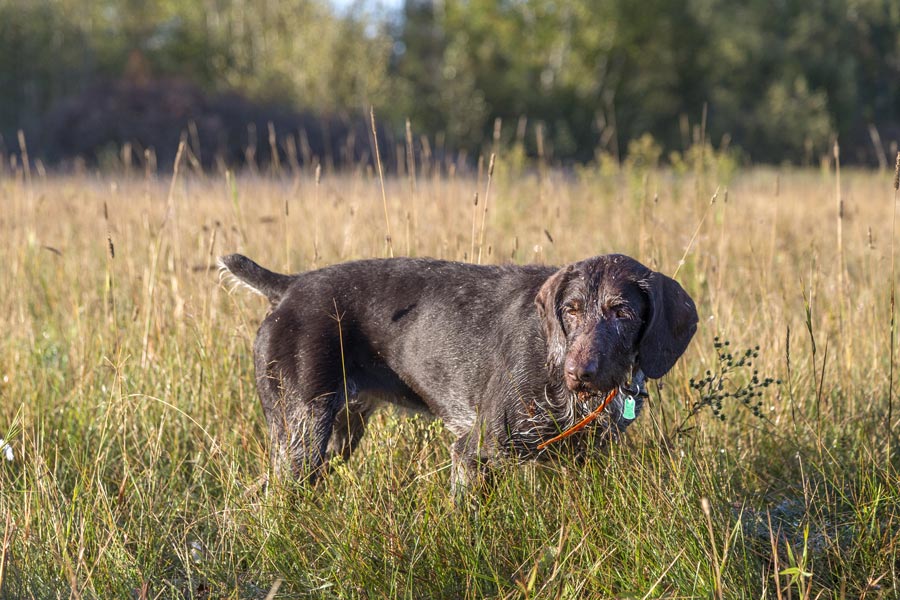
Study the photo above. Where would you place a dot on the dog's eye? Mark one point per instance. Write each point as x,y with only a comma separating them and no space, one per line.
622,313
572,310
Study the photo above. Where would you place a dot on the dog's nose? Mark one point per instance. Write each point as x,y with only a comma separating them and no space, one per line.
583,372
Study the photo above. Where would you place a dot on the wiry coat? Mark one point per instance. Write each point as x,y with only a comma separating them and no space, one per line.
507,356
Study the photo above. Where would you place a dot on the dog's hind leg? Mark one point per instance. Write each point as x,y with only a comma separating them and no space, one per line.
307,426
300,431
302,387
349,427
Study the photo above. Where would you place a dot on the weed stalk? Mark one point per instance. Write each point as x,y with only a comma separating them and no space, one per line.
890,413
387,221
487,194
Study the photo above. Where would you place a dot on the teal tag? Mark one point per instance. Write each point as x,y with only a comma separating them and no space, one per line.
628,411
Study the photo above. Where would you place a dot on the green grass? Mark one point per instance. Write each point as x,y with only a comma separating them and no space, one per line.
127,394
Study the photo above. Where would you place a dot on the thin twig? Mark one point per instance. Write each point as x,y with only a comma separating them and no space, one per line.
474,221
696,232
411,175
487,194
316,216
387,222
890,415
842,283
704,504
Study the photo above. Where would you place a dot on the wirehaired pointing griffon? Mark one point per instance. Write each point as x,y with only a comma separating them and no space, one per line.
507,356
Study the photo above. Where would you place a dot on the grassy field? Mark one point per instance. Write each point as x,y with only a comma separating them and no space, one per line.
127,394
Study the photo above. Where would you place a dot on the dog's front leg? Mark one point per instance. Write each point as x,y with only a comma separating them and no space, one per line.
471,472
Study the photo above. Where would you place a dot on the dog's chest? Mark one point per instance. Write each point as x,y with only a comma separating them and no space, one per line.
546,417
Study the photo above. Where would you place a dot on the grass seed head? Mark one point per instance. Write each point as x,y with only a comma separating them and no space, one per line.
897,174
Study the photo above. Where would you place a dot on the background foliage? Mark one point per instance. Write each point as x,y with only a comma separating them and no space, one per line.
779,80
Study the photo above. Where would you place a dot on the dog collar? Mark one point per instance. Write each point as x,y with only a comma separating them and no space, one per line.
628,392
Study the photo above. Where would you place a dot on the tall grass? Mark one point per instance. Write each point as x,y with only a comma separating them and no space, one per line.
127,395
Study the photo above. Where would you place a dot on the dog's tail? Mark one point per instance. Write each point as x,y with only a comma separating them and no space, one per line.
258,279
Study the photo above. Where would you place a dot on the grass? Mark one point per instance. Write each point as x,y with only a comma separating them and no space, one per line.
127,394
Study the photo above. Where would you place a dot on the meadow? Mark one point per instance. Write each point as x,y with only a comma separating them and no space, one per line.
138,446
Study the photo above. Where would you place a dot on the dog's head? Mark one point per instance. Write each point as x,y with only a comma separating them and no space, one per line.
606,315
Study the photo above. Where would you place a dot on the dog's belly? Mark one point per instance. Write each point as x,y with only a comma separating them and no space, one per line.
364,399
377,383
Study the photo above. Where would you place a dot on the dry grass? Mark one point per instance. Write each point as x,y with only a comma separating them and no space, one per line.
126,394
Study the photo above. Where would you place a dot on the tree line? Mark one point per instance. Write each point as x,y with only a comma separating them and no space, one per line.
771,81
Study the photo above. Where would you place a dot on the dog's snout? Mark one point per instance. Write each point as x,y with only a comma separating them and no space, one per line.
581,371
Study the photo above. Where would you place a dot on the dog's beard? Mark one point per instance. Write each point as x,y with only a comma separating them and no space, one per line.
584,403
560,408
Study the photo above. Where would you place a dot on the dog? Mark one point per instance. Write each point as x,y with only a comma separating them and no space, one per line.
507,356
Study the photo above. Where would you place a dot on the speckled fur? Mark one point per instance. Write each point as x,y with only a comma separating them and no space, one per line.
507,356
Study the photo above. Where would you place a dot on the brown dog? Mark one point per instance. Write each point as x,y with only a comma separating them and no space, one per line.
507,356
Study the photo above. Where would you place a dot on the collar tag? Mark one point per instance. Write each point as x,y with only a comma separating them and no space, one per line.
636,388
628,409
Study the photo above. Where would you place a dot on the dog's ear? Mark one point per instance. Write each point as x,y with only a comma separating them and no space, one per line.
547,301
673,321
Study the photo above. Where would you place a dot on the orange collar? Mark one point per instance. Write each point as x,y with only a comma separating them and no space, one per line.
582,423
